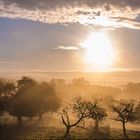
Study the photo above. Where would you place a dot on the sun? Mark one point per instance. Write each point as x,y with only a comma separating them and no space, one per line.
99,52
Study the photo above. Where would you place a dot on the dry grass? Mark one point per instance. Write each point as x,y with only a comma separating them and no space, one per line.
11,132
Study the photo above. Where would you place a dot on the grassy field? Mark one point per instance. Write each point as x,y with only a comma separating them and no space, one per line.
11,132
54,129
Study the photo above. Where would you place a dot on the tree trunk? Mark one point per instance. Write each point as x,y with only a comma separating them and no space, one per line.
124,129
67,133
19,121
96,126
40,117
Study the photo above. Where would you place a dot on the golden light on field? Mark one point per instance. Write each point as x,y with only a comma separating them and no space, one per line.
99,51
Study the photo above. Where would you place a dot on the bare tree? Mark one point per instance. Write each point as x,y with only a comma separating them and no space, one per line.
124,113
78,108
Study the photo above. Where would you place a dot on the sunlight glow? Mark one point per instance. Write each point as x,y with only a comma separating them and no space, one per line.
99,52
99,20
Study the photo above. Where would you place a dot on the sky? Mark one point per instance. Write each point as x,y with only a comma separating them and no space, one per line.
47,35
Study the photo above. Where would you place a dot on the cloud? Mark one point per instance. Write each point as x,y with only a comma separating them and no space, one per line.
48,4
9,63
69,11
130,23
66,48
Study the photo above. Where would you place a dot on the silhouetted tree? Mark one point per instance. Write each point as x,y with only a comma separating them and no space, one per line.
7,90
97,113
18,105
124,113
44,98
78,108
33,99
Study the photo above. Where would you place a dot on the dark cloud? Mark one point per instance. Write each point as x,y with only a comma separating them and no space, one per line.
61,3
66,11
132,3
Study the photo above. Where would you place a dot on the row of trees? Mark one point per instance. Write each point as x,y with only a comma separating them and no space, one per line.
122,111
27,98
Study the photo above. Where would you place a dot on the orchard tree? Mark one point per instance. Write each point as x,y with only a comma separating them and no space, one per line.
18,105
33,99
44,99
79,109
24,84
97,113
124,112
